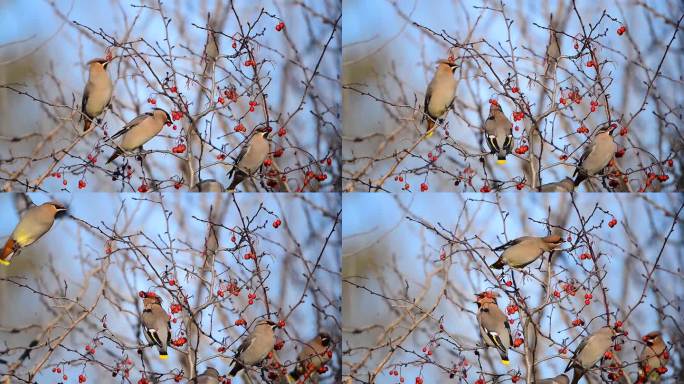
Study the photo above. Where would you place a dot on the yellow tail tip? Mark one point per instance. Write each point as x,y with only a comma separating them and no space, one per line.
4,262
505,362
163,357
429,134
501,161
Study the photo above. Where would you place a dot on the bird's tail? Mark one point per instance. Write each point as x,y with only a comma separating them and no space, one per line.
237,179
501,158
504,357
116,154
499,264
295,374
579,179
236,369
430,126
577,375
163,353
8,251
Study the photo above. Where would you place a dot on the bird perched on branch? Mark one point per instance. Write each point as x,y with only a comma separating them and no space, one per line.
210,376
139,131
590,351
440,94
97,93
315,354
35,223
560,379
525,250
209,185
597,156
155,322
494,327
251,157
565,185
499,133
255,348
653,357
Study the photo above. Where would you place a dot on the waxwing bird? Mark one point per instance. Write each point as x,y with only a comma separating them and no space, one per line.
498,130
250,158
524,250
139,131
553,53
653,356
209,185
597,156
255,348
565,185
156,324
98,91
494,327
211,48
313,356
210,376
560,379
590,351
36,222
440,93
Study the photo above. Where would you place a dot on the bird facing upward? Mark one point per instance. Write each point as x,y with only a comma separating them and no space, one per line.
440,94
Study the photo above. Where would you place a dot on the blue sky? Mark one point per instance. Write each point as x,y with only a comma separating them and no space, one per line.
55,44
379,43
376,233
75,251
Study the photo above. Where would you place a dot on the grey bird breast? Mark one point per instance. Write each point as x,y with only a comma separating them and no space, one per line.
99,93
602,151
35,223
592,353
443,88
258,350
257,151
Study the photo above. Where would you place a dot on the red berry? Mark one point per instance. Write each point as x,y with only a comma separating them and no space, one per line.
423,187
282,132
277,223
612,222
621,30
81,184
268,162
81,378
514,89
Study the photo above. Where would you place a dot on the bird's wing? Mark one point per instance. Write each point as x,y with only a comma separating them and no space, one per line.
245,345
84,100
509,244
586,153
154,336
243,151
579,349
428,96
131,124
510,335
490,134
495,338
